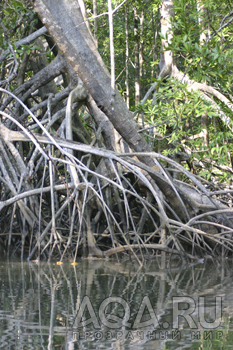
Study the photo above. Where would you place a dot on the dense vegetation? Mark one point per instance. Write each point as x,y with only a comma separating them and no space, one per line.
70,183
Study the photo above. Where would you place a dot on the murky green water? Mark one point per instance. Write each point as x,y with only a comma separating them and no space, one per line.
107,305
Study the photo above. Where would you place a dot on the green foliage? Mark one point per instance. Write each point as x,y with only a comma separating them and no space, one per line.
206,61
25,49
17,18
176,113
174,105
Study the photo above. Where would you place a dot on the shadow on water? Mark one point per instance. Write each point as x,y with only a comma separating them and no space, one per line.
105,304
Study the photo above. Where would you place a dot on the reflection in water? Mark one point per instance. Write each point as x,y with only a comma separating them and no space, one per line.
104,304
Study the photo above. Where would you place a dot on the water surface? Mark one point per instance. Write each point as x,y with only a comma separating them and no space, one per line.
109,305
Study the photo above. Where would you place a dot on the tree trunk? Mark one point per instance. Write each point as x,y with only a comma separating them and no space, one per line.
65,23
95,14
141,59
136,56
126,56
166,57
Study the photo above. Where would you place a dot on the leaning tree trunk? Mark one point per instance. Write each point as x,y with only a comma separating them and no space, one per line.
65,23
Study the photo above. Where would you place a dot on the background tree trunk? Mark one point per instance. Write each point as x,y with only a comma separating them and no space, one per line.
136,55
126,57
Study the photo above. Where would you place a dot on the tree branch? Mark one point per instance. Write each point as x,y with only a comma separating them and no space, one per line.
24,41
